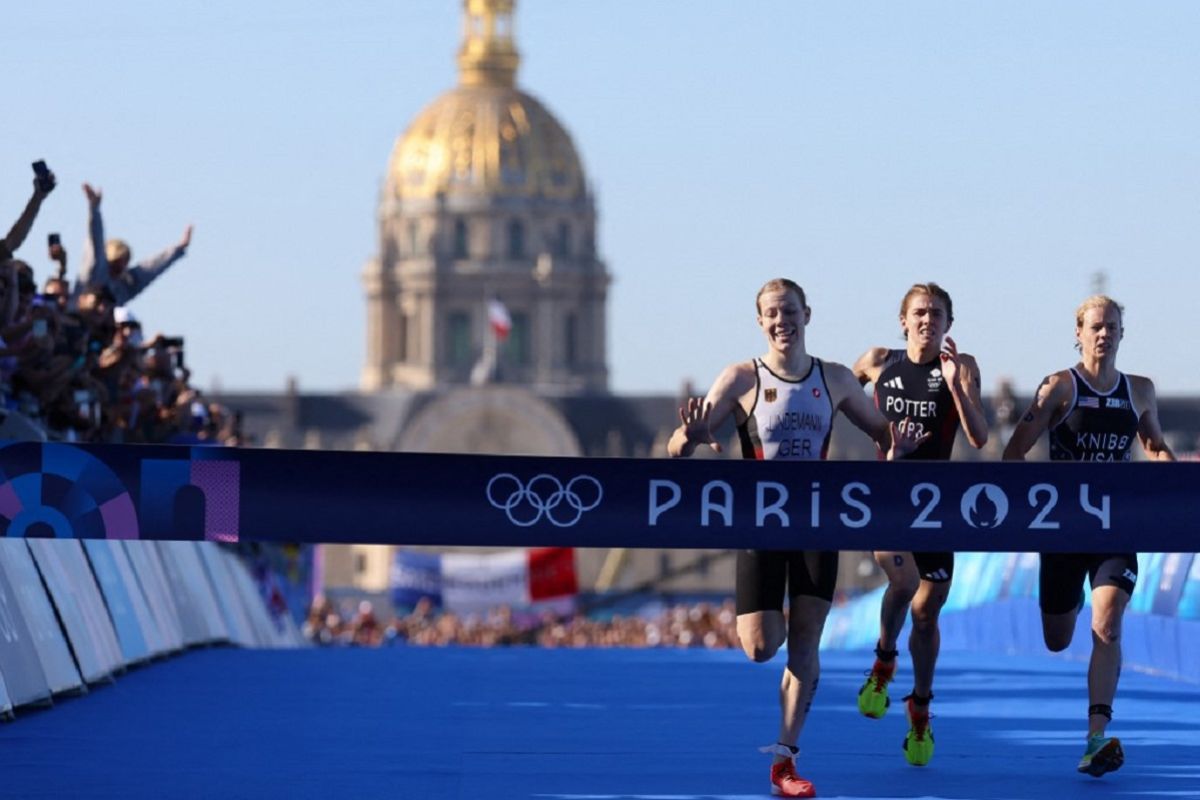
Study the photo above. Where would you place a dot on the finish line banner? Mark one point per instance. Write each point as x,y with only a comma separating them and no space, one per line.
172,492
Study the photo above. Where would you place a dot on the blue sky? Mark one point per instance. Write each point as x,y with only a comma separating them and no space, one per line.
1008,150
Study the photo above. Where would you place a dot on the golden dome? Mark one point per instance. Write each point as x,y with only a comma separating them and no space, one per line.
486,137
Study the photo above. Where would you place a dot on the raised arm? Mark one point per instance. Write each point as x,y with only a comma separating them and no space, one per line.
850,399
93,266
962,377
139,276
869,365
1149,431
20,229
1049,404
894,441
699,418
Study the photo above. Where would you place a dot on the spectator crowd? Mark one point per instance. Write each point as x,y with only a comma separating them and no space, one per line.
75,364
701,625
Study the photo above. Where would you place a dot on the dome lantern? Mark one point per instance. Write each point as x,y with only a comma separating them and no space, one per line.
488,56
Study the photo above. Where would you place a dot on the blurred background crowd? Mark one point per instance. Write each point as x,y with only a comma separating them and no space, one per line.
709,625
75,362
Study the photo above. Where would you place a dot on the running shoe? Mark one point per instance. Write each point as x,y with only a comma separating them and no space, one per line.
1104,754
785,783
873,700
918,743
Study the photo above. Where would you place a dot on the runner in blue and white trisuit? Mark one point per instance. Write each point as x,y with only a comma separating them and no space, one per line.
937,388
783,405
1092,412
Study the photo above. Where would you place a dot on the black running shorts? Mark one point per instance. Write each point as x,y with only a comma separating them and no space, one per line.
935,567
763,576
1060,577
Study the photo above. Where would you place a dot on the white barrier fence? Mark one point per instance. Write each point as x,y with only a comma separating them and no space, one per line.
74,613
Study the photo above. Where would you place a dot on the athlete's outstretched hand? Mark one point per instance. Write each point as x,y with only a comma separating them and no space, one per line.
696,430
905,438
950,362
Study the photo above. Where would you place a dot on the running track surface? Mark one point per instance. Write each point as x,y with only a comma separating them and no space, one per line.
417,723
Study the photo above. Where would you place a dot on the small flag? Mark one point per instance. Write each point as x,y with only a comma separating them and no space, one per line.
499,319
1089,402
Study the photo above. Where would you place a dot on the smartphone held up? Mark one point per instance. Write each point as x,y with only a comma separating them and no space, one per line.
45,178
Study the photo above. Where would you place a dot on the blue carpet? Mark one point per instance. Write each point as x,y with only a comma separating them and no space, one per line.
577,725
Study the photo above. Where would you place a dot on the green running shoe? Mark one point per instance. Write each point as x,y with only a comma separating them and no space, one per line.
873,700
1104,754
918,743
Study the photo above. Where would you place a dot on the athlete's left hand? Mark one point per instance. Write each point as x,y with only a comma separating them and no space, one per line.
950,363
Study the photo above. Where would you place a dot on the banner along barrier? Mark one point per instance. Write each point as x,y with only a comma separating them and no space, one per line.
6,705
203,594
143,558
53,653
191,619
91,656
116,593
172,493
19,661
237,619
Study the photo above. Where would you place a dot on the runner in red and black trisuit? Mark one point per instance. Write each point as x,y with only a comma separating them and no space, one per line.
936,388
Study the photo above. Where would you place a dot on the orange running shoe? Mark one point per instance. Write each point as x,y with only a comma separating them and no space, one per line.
785,783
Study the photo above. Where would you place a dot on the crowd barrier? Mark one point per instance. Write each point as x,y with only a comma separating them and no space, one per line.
75,613
993,607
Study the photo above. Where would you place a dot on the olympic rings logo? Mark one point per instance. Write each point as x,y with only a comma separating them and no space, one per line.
544,495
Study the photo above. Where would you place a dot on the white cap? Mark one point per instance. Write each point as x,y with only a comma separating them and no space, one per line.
123,316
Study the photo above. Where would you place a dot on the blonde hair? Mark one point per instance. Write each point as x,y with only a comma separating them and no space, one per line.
779,285
1098,301
115,250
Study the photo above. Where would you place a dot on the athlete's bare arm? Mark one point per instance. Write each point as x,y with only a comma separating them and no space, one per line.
869,365
964,385
849,398
699,418
1049,405
1149,431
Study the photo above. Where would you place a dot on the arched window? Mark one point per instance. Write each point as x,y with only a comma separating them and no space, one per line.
459,349
414,245
402,353
562,242
516,239
519,347
571,340
460,238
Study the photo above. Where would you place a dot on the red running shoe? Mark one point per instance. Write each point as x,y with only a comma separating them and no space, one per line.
784,782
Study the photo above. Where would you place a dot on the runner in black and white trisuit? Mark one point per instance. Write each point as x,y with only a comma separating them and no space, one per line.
937,388
784,404
1092,412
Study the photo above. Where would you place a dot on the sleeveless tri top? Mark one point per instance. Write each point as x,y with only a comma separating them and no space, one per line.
790,419
919,392
1099,426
